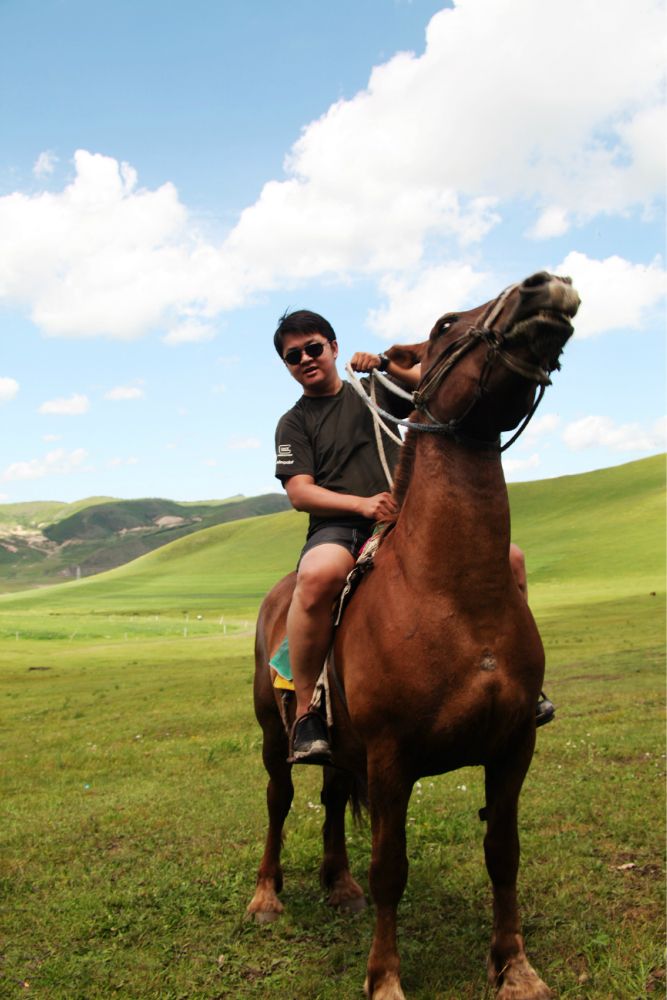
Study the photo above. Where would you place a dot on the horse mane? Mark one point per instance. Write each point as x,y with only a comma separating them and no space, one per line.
403,473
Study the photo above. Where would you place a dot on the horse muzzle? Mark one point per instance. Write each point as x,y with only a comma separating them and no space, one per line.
551,294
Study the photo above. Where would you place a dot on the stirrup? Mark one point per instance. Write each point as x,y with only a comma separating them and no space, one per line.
309,740
545,711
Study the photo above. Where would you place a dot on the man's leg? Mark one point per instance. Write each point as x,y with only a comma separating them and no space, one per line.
321,575
546,709
518,567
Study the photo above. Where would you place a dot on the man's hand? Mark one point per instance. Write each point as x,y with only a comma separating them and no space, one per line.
362,361
378,508
305,495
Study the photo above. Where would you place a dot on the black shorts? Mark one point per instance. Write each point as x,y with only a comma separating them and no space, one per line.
351,538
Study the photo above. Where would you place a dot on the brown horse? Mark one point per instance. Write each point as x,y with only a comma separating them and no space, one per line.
438,658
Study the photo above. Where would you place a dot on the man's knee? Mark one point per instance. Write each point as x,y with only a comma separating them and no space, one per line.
518,566
321,576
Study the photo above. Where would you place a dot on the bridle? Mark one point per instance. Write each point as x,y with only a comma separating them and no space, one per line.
485,332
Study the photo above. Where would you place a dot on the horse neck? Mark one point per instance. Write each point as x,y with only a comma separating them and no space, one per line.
454,525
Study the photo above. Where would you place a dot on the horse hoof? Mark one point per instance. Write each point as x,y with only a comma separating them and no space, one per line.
354,905
268,917
264,907
519,981
390,989
345,895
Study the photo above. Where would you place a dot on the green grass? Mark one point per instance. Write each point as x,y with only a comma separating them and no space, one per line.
133,819
132,803
225,569
602,532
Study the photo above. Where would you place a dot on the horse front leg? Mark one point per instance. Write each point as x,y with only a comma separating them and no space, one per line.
509,969
265,905
344,892
389,793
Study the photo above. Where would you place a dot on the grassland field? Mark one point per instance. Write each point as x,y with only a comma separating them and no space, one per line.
132,813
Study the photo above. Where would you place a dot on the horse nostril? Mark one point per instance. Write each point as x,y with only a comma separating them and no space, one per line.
536,280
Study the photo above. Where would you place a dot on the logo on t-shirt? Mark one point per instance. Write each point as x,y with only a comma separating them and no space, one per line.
284,456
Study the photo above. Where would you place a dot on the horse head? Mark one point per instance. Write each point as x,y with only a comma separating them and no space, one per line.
485,370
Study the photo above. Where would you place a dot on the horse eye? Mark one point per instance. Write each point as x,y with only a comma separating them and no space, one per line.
446,322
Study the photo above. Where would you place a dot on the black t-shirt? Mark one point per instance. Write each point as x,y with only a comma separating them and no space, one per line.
332,439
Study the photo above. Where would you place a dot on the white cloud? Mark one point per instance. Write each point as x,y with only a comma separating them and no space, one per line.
436,142
117,462
414,305
55,463
123,392
615,294
540,427
601,432
514,465
9,387
243,444
190,331
50,438
72,406
104,257
211,463
552,222
45,164
660,431
424,157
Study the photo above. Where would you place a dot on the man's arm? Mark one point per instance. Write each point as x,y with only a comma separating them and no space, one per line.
362,361
306,496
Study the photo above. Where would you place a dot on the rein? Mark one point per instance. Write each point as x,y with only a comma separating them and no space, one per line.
436,375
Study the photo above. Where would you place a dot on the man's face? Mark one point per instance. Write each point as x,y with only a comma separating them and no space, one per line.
318,376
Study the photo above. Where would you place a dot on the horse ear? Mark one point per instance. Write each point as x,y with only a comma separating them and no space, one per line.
406,355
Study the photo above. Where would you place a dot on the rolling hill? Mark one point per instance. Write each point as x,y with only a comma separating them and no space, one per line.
595,536
43,543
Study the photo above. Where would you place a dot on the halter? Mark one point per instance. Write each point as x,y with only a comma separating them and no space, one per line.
494,339
431,381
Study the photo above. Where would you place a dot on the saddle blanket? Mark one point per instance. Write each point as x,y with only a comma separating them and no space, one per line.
281,668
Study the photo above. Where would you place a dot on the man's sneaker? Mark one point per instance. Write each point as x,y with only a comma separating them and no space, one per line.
310,740
545,711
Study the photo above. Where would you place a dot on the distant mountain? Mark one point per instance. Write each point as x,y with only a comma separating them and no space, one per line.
50,542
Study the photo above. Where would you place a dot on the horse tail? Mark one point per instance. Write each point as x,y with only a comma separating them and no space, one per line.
359,799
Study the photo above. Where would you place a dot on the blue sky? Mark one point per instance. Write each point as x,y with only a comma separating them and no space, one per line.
174,176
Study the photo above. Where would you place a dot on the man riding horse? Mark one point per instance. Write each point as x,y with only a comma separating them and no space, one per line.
327,460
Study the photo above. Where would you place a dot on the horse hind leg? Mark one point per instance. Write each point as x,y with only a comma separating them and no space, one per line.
265,906
508,967
344,893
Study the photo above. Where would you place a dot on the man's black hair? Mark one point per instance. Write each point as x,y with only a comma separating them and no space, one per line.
301,321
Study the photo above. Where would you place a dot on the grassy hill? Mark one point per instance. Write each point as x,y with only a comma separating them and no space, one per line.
597,536
37,513
42,543
602,532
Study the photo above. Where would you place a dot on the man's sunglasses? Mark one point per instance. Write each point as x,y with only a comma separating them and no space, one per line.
314,350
